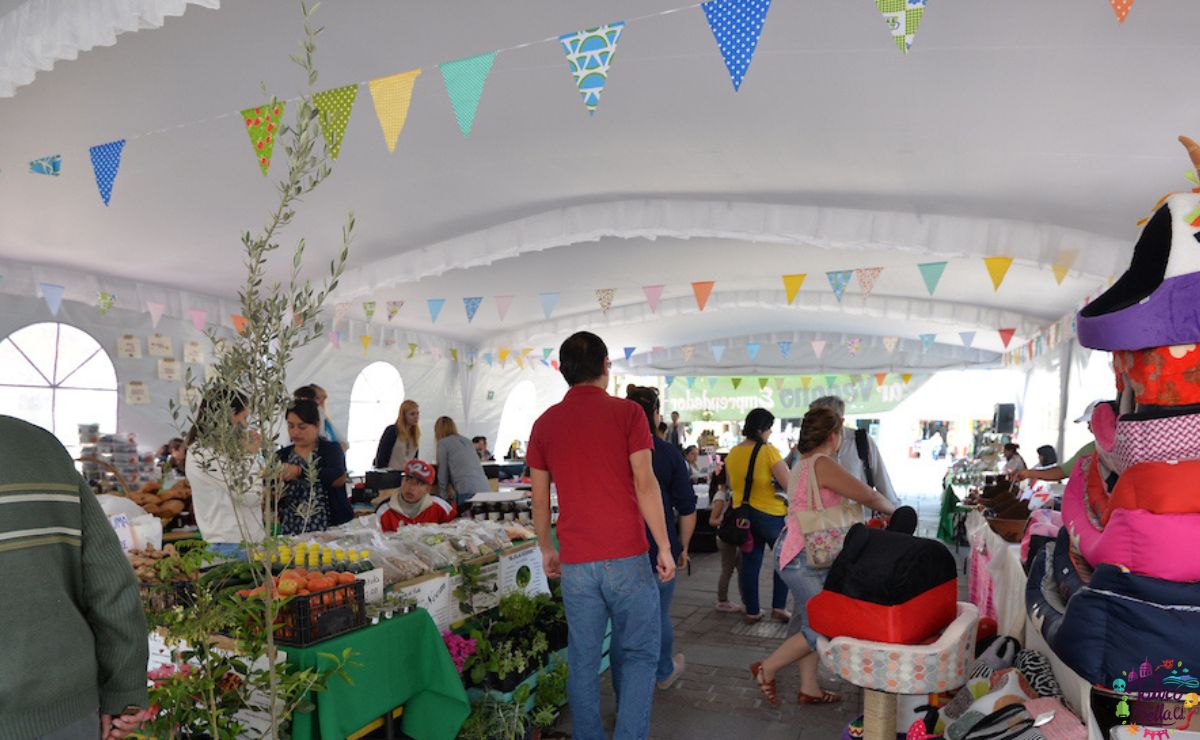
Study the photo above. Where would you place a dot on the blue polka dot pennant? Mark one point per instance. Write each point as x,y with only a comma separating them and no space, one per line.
589,53
736,25
106,160
472,305
51,165
839,280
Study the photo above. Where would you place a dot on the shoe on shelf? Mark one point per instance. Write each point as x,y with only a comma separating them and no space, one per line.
753,618
781,615
727,606
680,664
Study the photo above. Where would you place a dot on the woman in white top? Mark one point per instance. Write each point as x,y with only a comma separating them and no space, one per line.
226,519
401,441
1013,462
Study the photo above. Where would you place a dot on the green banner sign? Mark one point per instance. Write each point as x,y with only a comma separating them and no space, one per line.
719,400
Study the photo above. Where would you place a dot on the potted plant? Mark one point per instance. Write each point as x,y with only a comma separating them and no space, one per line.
493,719
549,697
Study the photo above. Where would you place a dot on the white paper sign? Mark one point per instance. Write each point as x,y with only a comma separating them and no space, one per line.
434,594
168,369
160,346
372,585
521,570
189,397
129,347
193,352
120,525
136,393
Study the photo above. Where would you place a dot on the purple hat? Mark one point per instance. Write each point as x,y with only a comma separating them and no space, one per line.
1156,303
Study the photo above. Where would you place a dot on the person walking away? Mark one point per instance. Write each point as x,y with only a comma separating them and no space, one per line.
679,509
677,434
731,555
460,472
820,439
766,508
73,655
859,454
596,450
400,442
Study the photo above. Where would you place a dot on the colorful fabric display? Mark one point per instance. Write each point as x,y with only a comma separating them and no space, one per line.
1164,436
1044,525
1037,670
1162,376
1153,487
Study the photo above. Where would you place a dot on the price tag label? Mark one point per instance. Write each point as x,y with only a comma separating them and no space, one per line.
372,585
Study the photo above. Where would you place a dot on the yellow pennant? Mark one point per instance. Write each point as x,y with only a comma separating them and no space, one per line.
392,96
504,353
1063,264
997,267
520,361
906,377
366,342
791,284
805,382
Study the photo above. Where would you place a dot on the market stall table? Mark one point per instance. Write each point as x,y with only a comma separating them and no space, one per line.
401,662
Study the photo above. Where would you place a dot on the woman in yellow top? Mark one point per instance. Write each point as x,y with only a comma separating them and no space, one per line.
767,509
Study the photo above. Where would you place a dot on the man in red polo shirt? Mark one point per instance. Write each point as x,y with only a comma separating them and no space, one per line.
597,451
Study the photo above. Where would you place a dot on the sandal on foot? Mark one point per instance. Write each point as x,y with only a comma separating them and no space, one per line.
766,687
781,615
826,697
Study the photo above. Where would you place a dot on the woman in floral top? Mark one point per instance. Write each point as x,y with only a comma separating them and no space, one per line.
311,506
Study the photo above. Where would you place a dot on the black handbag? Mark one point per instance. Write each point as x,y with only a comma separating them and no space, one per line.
735,524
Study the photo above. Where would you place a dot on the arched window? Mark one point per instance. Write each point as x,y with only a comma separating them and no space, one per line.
58,377
374,402
516,420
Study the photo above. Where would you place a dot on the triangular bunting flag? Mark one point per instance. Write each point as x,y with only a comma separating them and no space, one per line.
629,352
391,96
854,344
669,380
702,291
818,347
393,308
805,382
736,382
712,382
589,54
890,344
334,107
504,353
262,124
198,316
548,302
366,342
968,338
880,378
464,80
903,17
472,305
1006,336
752,350
412,350
785,347
718,351
1121,8
687,351
604,296
691,381
762,383
736,25
369,309
435,307
340,312
653,296
906,377
791,285
239,323
839,280
830,381
52,294
546,352
779,383
1063,264
105,302
866,278
106,160
503,303
997,268
454,354
554,364
51,165
931,272
156,312
487,358
436,353
927,341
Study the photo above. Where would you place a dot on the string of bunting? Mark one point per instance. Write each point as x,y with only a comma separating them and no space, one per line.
736,26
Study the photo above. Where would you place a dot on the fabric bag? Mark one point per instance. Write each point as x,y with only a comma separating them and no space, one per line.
735,524
1064,726
1012,722
825,529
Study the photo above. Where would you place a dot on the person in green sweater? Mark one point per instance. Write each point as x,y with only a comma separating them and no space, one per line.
73,648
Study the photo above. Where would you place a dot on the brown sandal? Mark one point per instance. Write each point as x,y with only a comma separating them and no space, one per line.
766,687
826,697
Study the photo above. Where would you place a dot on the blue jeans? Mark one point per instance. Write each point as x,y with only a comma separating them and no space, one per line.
228,550
766,530
666,660
805,583
624,592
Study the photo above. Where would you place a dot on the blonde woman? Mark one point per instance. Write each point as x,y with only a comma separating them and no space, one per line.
459,471
400,441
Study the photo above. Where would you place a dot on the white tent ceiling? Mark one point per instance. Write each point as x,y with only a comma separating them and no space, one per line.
1019,129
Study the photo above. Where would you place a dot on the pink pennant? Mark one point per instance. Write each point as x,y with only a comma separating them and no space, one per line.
818,346
199,317
335,340
653,296
890,343
866,278
503,303
156,312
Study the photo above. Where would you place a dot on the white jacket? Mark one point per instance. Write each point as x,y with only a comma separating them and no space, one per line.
218,510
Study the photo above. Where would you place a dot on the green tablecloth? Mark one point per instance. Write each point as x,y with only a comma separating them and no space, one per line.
403,661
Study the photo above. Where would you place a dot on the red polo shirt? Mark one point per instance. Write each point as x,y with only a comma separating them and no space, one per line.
585,442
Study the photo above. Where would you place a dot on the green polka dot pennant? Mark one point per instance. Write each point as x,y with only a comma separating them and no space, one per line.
334,106
589,53
464,80
903,17
262,124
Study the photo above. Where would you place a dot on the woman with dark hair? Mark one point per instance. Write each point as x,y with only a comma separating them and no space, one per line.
1047,457
718,497
226,519
820,440
310,506
401,441
766,508
1014,463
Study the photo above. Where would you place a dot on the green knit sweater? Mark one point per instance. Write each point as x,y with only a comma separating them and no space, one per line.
72,632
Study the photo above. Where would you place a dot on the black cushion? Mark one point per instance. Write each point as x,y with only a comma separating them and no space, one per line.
888,568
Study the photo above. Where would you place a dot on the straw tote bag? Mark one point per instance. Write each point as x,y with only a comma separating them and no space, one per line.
825,529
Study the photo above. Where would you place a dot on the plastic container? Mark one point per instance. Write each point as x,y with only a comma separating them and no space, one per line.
309,619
